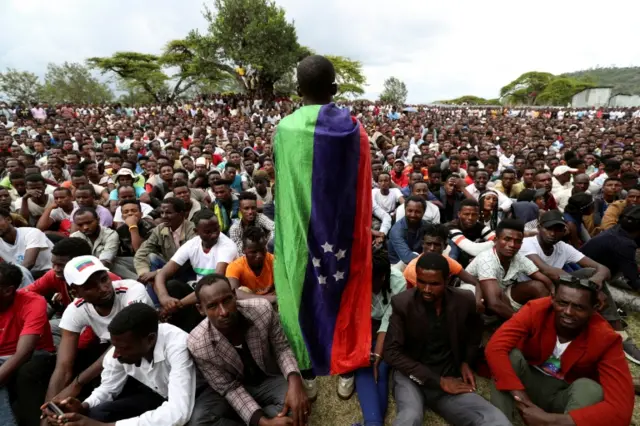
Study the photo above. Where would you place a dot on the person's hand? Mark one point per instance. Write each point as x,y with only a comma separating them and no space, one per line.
532,414
480,308
56,298
375,366
297,401
276,421
378,237
454,386
34,193
520,395
148,277
467,375
132,220
71,405
72,390
169,304
75,419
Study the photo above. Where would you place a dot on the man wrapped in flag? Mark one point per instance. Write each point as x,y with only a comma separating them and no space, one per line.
323,221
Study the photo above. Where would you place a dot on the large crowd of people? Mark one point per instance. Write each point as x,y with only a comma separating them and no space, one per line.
137,275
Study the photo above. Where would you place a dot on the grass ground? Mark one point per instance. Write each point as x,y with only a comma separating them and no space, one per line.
329,410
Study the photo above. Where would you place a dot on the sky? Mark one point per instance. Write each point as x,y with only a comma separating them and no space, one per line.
441,50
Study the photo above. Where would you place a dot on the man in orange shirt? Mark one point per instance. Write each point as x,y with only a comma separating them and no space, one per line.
434,241
252,274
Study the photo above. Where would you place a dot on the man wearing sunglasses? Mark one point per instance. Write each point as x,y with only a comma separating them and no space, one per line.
559,362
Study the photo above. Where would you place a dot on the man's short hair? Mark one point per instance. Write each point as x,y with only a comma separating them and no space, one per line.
437,230
83,210
123,203
10,275
16,175
209,280
416,199
71,247
469,203
177,203
60,188
224,182
33,177
89,188
138,318
611,166
433,262
5,213
316,75
593,293
508,172
246,195
254,234
514,224
204,214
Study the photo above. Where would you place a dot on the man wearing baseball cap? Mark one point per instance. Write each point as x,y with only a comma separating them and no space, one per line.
98,300
562,179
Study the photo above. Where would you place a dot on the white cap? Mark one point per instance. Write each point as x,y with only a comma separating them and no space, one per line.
560,170
78,270
125,172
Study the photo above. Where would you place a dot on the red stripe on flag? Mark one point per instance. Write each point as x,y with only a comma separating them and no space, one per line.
352,335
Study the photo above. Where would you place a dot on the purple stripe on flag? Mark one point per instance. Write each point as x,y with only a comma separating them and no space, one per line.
336,155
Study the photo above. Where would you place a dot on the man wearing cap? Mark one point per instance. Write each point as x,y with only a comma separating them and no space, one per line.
561,179
559,363
98,300
398,175
126,177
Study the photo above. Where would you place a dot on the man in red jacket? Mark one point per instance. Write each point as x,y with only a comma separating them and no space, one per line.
560,363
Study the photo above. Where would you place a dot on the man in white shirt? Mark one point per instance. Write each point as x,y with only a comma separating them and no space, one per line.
156,356
386,197
27,247
431,213
479,185
98,301
210,252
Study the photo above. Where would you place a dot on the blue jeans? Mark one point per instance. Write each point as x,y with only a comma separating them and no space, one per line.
373,396
6,413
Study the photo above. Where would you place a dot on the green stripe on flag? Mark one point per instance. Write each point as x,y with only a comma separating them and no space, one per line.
293,150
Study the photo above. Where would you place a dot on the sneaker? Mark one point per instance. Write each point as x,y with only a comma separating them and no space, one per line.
311,388
346,385
631,351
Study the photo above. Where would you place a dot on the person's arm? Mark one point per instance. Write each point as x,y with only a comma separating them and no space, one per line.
136,239
468,246
550,271
66,356
34,325
383,216
110,249
112,381
394,355
113,206
573,234
30,257
539,276
611,215
24,207
402,249
141,257
45,222
160,283
494,299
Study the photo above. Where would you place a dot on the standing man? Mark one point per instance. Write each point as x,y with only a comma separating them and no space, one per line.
323,228
432,341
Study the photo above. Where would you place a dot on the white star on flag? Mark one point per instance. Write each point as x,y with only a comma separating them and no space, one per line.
338,276
341,254
322,280
327,247
316,262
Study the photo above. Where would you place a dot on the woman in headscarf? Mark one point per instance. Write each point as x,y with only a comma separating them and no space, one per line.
489,213
579,206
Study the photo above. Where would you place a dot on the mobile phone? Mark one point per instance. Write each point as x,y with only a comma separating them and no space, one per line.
54,409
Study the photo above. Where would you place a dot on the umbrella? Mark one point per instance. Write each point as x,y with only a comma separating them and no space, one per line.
410,109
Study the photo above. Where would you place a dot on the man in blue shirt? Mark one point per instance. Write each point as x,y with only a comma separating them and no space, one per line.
405,237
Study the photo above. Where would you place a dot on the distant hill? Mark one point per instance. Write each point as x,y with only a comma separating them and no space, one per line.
623,80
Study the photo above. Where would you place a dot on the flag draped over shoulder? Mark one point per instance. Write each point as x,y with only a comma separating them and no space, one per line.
323,239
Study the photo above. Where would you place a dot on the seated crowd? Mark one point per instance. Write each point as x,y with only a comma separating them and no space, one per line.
137,267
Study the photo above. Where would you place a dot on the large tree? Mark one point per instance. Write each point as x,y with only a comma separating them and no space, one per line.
470,100
560,91
255,40
394,91
349,76
20,86
72,82
525,89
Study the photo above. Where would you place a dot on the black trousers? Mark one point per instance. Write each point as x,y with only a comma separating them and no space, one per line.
28,387
134,400
188,317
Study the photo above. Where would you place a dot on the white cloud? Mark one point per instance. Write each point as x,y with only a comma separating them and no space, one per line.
440,49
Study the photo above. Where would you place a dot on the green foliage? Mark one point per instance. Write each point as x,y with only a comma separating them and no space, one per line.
524,89
560,91
349,76
470,100
72,82
255,38
622,80
394,91
19,86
